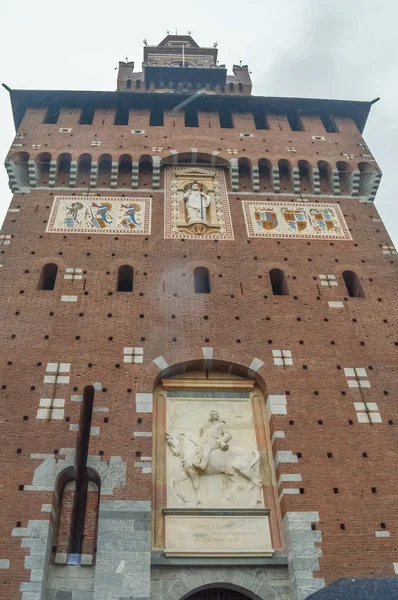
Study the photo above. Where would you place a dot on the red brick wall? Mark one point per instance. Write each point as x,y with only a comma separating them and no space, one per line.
301,322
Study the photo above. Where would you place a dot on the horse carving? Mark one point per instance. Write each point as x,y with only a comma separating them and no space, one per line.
212,455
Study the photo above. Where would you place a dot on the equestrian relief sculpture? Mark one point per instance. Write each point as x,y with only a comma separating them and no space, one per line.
210,455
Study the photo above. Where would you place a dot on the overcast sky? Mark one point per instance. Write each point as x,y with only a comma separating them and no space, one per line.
344,49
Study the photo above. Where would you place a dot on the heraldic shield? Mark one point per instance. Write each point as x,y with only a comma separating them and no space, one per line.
323,220
295,219
266,219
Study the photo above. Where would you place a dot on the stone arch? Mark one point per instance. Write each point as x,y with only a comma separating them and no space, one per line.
252,586
198,358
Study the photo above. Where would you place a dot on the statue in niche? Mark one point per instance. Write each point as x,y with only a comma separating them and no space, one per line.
196,203
211,455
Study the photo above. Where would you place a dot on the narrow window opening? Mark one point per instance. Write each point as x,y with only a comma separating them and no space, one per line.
191,118
122,116
260,120
353,284
201,280
278,282
48,277
86,116
80,502
156,117
329,124
226,121
51,117
125,277
295,122
128,84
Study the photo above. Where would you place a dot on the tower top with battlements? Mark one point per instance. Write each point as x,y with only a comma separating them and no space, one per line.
179,64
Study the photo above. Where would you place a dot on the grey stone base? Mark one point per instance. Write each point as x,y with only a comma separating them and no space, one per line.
70,583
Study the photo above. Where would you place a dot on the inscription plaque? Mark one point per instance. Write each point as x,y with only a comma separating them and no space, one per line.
217,535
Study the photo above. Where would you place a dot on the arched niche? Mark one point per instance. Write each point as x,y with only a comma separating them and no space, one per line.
185,400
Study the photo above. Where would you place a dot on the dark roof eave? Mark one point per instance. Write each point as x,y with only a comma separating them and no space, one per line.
21,99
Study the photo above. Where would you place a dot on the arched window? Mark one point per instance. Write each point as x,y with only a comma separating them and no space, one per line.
48,276
63,169
138,84
202,280
125,277
285,175
125,171
367,173
128,84
20,167
240,87
305,172
83,170
345,171
104,170
43,161
278,282
265,174
245,171
353,284
231,87
145,172
325,176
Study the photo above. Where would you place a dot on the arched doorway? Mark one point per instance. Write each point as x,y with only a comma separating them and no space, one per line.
217,593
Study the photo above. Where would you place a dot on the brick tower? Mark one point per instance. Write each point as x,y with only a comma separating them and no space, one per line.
199,360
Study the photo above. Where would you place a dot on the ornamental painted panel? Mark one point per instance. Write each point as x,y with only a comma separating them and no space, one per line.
83,214
307,221
196,204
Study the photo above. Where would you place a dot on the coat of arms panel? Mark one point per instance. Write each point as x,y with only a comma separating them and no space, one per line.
295,220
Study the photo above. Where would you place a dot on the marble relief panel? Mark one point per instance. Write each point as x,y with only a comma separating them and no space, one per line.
212,460
196,204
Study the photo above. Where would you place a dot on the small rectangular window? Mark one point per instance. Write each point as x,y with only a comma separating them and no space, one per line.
260,120
295,122
191,118
226,121
122,116
86,116
329,124
51,117
156,118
